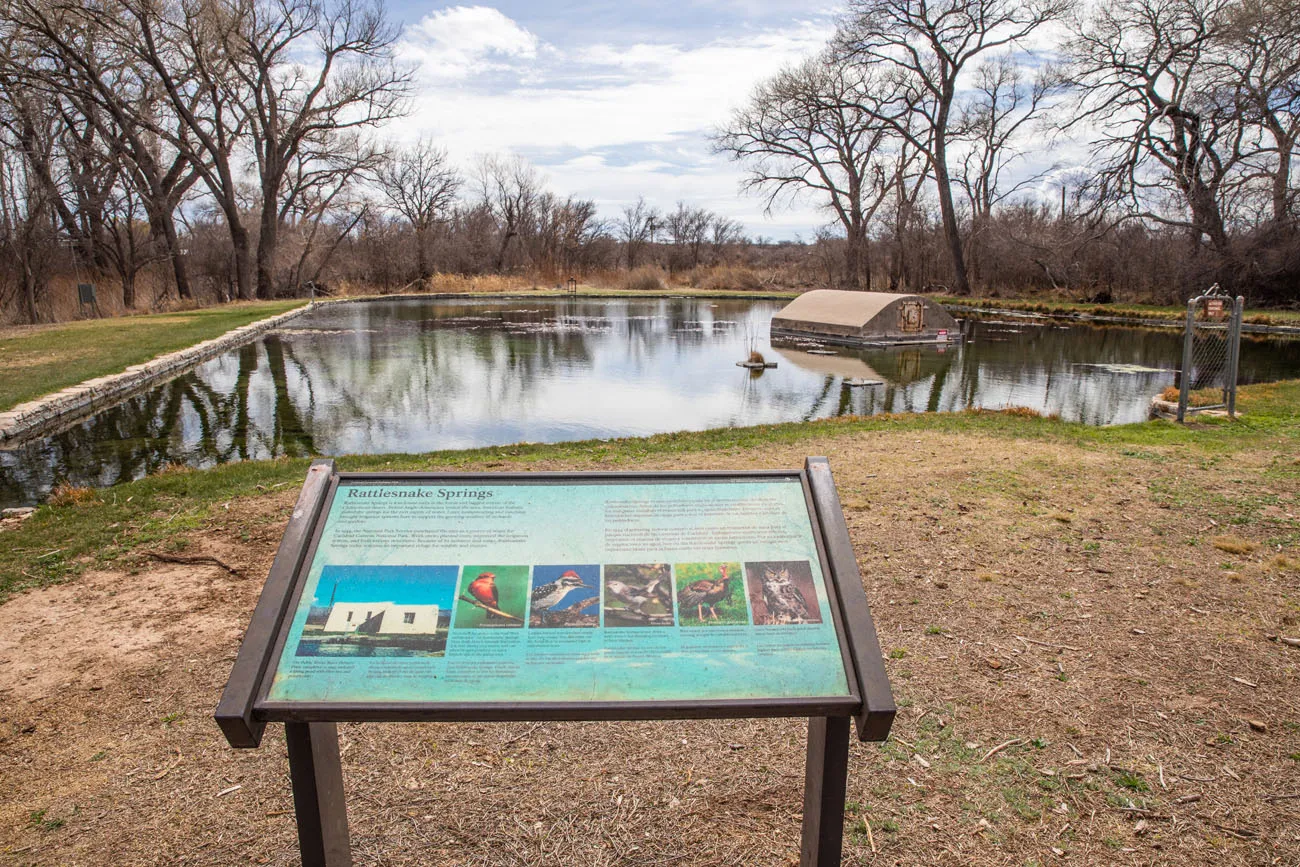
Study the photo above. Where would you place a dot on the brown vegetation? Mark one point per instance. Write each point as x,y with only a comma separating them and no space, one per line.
1101,688
123,125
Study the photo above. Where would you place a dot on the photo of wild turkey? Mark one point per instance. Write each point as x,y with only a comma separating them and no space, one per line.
703,589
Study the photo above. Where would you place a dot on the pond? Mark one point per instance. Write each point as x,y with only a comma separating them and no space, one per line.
419,375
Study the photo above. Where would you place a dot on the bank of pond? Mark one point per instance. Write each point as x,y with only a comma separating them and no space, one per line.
419,375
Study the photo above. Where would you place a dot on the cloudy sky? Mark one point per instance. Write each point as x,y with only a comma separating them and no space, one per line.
610,100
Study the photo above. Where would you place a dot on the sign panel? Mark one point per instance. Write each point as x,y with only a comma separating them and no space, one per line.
505,592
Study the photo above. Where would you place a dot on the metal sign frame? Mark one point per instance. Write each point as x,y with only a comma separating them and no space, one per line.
310,728
1230,308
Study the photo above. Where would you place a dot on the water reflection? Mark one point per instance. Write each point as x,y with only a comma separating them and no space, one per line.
414,376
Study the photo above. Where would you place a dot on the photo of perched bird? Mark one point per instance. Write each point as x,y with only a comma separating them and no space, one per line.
552,594
638,595
705,594
785,604
492,595
782,593
484,589
633,600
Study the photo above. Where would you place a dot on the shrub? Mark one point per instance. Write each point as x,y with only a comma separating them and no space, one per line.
643,279
729,277
65,494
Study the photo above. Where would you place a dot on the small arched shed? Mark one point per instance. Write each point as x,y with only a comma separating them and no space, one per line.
864,318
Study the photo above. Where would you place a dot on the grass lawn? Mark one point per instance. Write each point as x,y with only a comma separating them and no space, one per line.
1082,628
45,358
1123,311
62,540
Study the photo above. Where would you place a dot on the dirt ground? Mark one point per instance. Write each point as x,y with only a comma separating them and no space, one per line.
1083,677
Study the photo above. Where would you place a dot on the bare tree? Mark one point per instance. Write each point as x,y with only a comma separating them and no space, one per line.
1259,60
421,185
807,131
723,232
637,228
1003,106
304,72
321,199
1141,68
508,186
687,228
920,50
26,225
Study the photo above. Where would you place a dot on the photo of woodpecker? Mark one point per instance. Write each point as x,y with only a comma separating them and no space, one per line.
781,593
492,597
565,596
710,594
638,595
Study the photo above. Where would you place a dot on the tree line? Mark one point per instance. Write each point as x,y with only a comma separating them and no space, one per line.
924,125
233,149
236,148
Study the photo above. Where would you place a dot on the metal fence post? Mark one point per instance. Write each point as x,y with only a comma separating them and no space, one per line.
1234,354
1185,376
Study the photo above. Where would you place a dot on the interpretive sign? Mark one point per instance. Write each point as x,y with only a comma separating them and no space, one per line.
580,592
559,596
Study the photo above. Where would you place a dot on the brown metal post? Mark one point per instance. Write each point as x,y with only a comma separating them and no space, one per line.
1185,375
826,779
316,775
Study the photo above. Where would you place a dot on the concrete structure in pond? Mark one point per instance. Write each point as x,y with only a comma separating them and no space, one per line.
865,318
382,618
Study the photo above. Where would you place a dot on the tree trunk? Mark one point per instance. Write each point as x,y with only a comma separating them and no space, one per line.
164,222
501,252
243,262
29,293
267,239
951,231
422,254
855,256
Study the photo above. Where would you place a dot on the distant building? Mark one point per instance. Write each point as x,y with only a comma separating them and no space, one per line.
865,319
382,618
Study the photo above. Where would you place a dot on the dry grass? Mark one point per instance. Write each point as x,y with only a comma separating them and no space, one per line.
725,278
65,494
644,279
1201,397
1147,718
1283,563
1235,545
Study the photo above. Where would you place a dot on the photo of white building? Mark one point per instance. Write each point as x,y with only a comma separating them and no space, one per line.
381,618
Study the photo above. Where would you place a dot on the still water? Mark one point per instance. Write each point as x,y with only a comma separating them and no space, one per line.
419,375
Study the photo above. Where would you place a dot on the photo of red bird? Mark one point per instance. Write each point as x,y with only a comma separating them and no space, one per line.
484,589
492,596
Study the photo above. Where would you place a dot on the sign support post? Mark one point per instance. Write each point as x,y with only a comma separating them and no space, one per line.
316,774
826,779
374,567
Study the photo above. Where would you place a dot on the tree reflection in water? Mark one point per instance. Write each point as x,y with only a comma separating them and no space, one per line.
416,375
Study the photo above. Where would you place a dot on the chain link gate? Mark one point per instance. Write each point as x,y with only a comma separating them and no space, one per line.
1211,351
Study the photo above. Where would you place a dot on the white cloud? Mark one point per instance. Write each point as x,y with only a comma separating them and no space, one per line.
460,41
486,83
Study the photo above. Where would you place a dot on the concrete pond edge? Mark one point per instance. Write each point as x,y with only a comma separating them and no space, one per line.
39,416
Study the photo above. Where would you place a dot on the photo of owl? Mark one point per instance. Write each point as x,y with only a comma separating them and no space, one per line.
781,593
